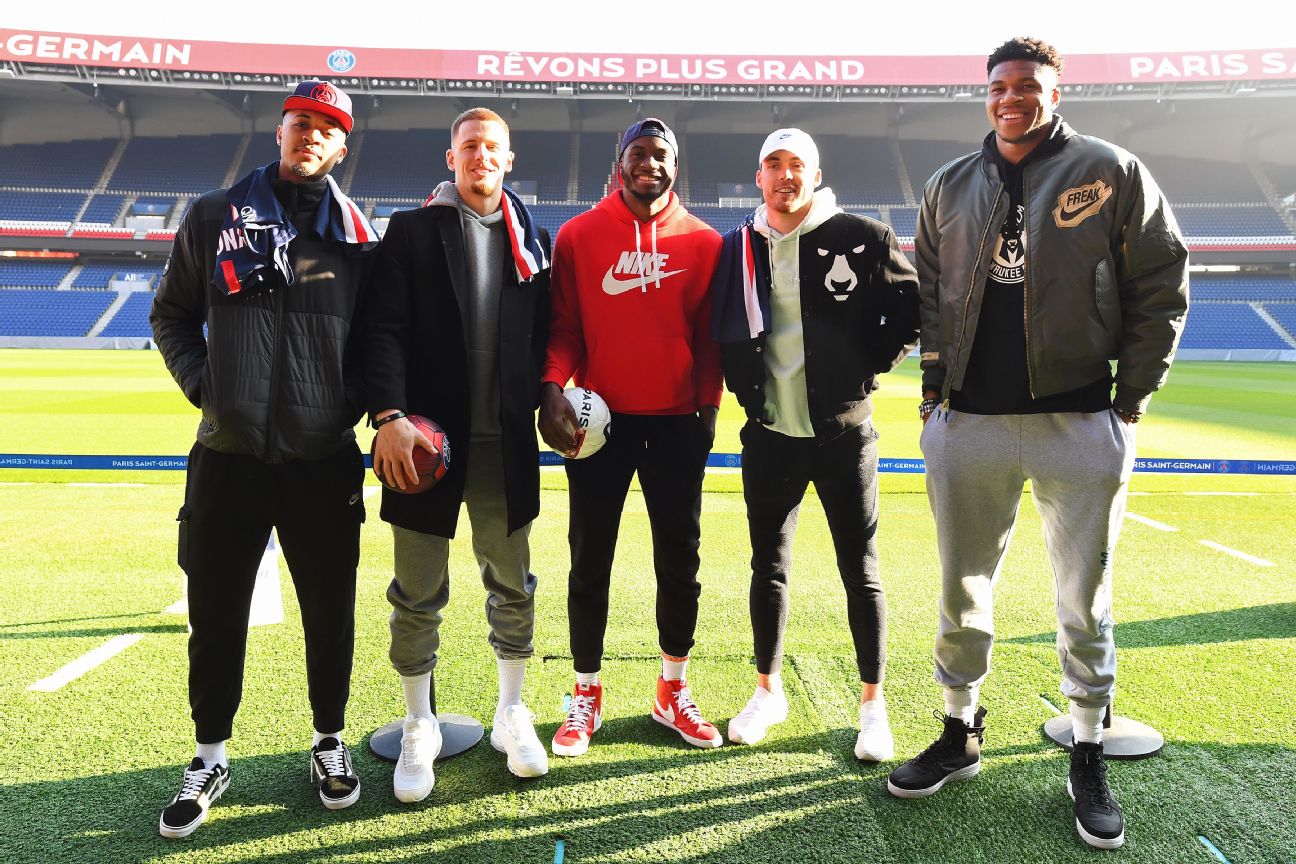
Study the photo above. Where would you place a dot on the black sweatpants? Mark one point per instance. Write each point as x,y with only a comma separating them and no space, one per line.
231,503
776,470
670,453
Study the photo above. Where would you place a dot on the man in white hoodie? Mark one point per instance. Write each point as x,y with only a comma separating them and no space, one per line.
810,304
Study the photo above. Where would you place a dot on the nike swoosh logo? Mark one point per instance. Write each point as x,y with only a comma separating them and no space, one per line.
667,712
614,286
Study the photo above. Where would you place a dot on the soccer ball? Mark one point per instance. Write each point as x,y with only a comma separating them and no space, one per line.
593,419
431,467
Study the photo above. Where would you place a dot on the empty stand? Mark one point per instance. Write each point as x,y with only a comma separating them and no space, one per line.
401,165
17,206
1228,325
33,273
188,164
1246,289
50,313
1257,223
132,318
1203,181
103,208
924,158
98,274
60,165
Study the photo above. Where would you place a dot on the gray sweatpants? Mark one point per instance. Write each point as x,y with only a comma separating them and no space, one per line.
421,588
1079,467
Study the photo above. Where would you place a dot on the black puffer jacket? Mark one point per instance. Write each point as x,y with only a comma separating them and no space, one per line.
275,376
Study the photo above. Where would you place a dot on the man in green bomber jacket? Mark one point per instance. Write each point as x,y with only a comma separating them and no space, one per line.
1042,258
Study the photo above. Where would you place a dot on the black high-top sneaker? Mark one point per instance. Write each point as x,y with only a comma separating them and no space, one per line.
955,755
1098,817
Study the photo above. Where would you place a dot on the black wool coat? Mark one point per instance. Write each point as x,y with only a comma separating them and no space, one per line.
416,359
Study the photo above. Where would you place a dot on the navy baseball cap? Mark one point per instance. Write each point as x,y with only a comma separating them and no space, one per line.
651,127
321,96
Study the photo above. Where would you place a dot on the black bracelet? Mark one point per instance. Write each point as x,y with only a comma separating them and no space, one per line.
395,415
927,406
1128,416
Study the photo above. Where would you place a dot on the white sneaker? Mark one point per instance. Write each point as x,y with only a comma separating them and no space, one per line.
514,734
874,743
763,710
420,744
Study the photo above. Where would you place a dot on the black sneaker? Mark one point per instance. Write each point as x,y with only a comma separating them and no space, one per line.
955,755
1098,817
331,771
199,789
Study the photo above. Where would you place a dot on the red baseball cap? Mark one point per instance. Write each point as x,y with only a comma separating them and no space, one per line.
323,97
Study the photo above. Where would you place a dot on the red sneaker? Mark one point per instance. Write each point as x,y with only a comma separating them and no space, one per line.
584,717
675,709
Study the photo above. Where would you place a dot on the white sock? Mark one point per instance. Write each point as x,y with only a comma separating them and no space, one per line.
873,706
961,704
320,736
1086,723
212,754
585,679
511,672
775,684
674,670
418,696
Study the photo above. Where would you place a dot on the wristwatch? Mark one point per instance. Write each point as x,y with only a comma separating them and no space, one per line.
927,406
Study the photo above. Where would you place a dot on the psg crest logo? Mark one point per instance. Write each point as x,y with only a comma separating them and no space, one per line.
341,60
324,93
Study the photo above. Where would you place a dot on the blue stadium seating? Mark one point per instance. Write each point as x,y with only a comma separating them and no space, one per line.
923,158
186,164
399,165
60,165
51,313
598,158
1253,221
103,208
132,318
40,206
96,274
544,157
1284,314
904,221
1203,181
33,273
1228,325
1205,286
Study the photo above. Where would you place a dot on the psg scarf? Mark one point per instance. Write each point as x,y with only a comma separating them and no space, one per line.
252,248
524,237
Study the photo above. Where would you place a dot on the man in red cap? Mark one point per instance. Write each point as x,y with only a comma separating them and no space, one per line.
272,267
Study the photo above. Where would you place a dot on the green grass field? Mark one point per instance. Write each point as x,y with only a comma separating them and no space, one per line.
1207,649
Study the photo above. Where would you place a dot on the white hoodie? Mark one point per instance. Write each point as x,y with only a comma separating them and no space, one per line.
786,399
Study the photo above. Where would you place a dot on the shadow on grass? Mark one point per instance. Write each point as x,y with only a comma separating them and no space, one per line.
94,631
746,803
1272,621
17,624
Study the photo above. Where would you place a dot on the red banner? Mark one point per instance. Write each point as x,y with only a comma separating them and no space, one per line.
305,60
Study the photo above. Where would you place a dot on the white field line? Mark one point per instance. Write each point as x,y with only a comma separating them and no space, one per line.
86,662
1151,523
1259,562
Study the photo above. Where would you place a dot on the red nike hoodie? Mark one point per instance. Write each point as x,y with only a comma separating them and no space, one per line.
631,317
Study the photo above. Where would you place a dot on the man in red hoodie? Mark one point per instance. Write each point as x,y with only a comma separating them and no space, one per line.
631,322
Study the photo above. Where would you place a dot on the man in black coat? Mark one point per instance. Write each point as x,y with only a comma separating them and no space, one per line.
827,304
273,267
457,333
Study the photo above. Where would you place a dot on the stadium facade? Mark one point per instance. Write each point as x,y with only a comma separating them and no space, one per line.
104,140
